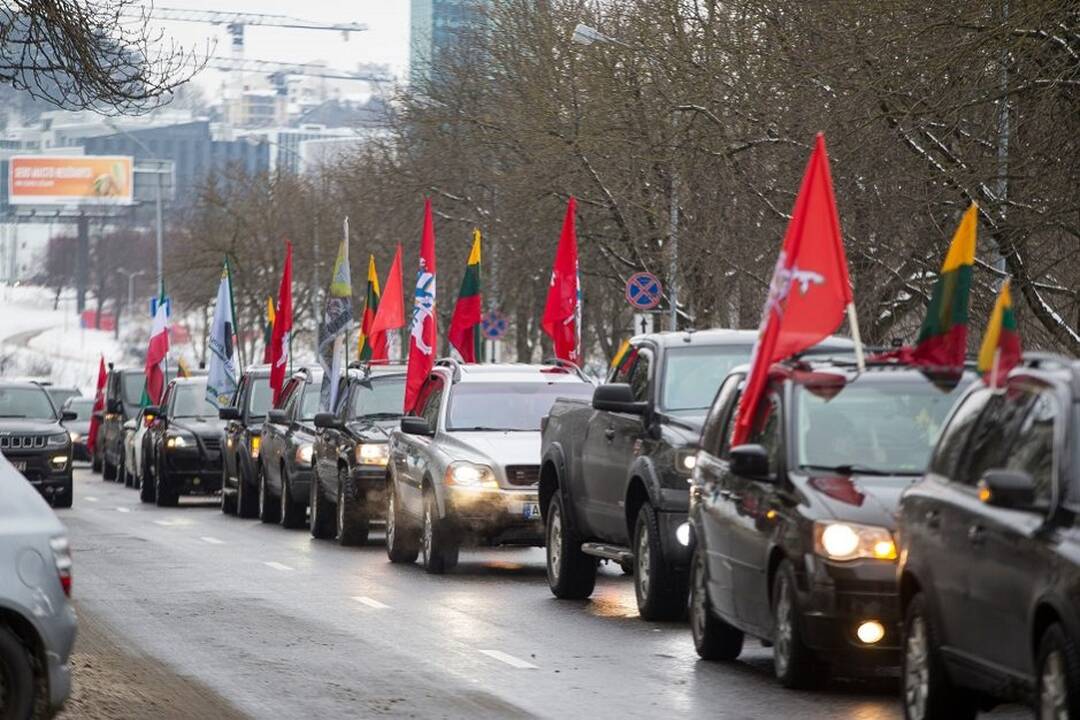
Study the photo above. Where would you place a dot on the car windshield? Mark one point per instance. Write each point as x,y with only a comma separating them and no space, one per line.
692,375
886,428
26,402
260,398
310,402
134,382
379,397
189,401
82,408
60,395
507,406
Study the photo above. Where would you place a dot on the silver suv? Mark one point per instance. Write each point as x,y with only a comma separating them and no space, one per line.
37,621
464,469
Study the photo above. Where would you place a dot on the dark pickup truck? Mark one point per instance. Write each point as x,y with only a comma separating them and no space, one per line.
615,473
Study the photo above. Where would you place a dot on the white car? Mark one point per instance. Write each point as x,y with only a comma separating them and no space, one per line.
134,432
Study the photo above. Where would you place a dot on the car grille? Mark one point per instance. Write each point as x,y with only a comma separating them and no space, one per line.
212,443
523,474
22,442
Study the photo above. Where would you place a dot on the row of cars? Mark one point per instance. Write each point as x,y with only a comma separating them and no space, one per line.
876,519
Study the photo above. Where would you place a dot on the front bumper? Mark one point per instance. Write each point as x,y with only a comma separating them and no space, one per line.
497,517
368,485
676,554
839,597
41,472
193,471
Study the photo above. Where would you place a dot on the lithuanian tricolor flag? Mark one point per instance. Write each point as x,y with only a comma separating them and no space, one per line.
464,332
371,347
943,337
268,330
1000,351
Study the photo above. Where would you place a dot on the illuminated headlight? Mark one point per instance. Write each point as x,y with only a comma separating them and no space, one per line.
179,441
682,534
75,437
58,439
58,461
372,453
256,443
303,454
685,461
849,541
471,476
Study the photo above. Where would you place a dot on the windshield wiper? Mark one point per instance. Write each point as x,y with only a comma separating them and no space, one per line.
379,416
12,416
481,428
851,469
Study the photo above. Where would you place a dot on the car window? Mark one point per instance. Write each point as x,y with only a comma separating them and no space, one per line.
1033,449
712,435
766,429
286,394
621,372
988,445
511,406
954,435
83,408
260,397
190,401
61,395
377,397
639,377
429,409
26,402
693,374
311,400
133,385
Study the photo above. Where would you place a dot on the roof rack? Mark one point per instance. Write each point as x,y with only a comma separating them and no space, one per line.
454,366
566,364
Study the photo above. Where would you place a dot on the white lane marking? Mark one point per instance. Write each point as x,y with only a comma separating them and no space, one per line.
509,659
371,602
123,509
277,565
90,498
212,540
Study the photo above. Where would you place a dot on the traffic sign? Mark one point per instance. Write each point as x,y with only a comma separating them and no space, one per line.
643,291
494,325
644,323
168,306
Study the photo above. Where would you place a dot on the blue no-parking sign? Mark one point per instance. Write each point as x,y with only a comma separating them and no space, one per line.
643,291
494,325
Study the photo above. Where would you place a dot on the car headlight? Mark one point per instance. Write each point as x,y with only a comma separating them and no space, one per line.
75,437
303,453
58,439
685,461
472,476
179,441
850,541
256,443
372,453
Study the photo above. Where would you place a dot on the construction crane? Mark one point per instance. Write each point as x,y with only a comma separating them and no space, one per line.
273,68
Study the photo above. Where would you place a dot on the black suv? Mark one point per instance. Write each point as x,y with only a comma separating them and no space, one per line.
34,441
183,453
349,487
288,437
124,393
243,442
990,552
793,532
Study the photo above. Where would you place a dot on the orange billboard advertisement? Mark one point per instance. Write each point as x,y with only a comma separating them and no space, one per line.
70,180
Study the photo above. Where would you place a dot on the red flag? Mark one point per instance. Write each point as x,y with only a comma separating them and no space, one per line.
157,352
562,312
391,312
423,333
810,287
279,340
99,407
464,333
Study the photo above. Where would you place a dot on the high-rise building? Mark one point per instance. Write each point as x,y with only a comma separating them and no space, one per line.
436,26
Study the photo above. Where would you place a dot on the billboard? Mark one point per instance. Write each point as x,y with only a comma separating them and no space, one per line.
70,180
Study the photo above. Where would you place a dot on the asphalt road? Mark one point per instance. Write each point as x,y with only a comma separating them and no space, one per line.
284,626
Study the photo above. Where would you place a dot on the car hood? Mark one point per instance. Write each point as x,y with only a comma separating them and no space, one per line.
866,499
377,431
494,447
687,423
200,426
18,426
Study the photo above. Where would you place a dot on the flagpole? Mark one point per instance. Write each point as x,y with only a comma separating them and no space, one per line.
994,366
347,327
853,321
236,321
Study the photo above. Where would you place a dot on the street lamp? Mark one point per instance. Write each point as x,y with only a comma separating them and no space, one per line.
131,284
585,35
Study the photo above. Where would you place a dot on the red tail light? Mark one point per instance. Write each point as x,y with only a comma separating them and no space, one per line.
61,551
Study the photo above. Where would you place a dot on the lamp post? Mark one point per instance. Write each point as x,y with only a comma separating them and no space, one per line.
158,225
585,35
131,284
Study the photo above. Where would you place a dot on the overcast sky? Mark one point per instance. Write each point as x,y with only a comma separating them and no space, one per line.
386,42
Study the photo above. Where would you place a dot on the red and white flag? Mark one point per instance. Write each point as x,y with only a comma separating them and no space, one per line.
423,331
157,352
99,407
810,289
279,338
562,312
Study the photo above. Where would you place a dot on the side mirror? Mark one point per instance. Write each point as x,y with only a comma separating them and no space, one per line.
151,411
277,416
750,461
1014,489
414,425
229,413
68,416
617,397
114,406
129,425
326,420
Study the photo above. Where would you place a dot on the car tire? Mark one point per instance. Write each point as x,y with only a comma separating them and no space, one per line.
269,510
714,639
660,591
571,573
228,501
795,665
64,498
164,494
402,541
95,463
293,514
121,472
16,677
247,497
1058,684
353,523
108,471
926,691
438,546
322,515
147,485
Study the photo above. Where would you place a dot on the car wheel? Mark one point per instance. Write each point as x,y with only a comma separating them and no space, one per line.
322,516
95,463
927,692
438,545
147,484
571,573
247,500
228,502
64,497
16,678
1059,676
293,514
661,593
108,471
353,523
714,639
795,664
402,544
268,509
164,494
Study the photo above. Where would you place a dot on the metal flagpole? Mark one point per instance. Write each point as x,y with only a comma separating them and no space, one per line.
853,321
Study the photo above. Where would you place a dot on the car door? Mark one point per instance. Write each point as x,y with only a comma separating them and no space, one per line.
234,434
414,451
328,441
273,442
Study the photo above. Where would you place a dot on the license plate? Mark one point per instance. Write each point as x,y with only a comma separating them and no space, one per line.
531,511
20,465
